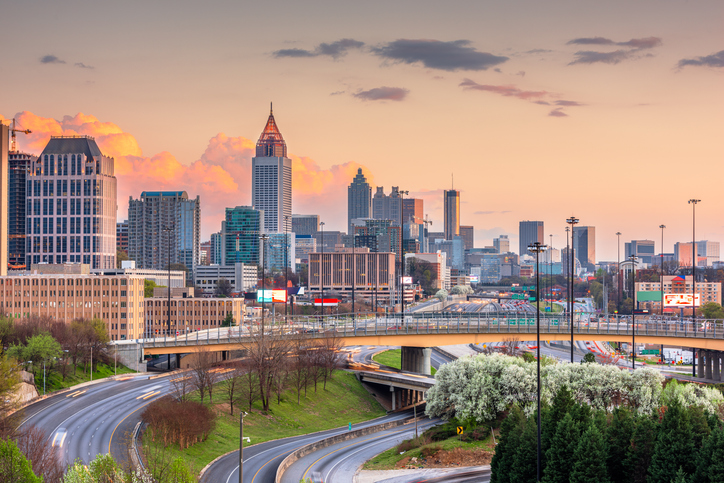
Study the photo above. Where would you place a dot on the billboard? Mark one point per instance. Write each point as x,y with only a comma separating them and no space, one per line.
326,302
474,279
406,280
270,296
681,300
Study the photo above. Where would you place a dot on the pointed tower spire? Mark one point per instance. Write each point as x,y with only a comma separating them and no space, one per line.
271,143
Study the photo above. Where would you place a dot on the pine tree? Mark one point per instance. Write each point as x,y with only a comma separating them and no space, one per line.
674,446
525,467
618,436
561,405
559,457
590,458
507,447
639,452
710,459
680,476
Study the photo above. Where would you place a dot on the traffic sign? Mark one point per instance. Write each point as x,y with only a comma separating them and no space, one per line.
460,430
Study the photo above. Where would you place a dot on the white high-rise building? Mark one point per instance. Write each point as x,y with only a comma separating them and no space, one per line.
271,179
71,205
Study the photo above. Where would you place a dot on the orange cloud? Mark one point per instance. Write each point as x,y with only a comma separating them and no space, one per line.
221,176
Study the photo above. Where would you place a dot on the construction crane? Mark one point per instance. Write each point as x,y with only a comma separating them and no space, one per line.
13,141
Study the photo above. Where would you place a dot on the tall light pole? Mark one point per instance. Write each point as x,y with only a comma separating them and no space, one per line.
241,446
693,203
321,267
287,262
661,272
537,248
572,221
633,259
168,230
618,268
550,273
263,239
354,275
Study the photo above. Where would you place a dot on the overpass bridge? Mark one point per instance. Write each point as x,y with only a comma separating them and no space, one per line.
418,332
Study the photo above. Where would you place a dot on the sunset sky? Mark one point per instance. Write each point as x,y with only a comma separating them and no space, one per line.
611,111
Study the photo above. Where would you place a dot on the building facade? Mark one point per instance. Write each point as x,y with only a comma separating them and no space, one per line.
387,207
18,168
467,233
305,224
189,314
529,232
584,246
122,236
412,210
242,277
452,214
501,244
708,291
643,249
71,205
359,199
271,179
240,232
280,248
163,227
707,253
371,275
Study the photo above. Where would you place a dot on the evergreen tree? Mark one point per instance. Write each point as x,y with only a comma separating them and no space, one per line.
14,466
680,476
559,457
638,456
590,458
561,405
581,414
674,446
618,436
525,464
507,447
710,459
700,429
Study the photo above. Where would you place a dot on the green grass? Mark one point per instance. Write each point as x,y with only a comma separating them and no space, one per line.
54,381
387,460
344,401
393,358
555,309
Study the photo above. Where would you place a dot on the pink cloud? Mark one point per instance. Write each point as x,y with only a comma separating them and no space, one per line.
221,176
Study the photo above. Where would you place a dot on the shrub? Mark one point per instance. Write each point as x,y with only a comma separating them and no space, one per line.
178,422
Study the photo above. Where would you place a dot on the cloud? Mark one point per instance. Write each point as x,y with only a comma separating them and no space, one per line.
713,60
221,176
83,66
557,112
51,59
591,57
335,49
538,51
508,91
568,103
436,54
383,94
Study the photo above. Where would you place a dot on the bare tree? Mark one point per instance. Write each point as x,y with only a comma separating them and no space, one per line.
267,355
329,354
44,458
511,346
203,374
249,388
182,386
299,370
233,384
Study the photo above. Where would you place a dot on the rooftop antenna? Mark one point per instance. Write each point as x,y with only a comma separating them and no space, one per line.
271,108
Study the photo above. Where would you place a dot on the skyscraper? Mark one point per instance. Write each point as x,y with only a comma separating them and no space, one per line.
359,200
386,207
72,192
18,168
529,232
305,224
240,232
452,214
584,245
155,217
467,232
271,179
502,244
643,249
412,209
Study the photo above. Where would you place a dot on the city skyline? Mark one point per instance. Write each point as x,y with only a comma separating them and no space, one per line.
599,111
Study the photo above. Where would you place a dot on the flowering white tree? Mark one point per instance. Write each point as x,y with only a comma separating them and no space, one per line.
484,386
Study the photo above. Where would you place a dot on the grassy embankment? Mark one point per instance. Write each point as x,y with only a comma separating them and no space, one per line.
54,381
393,358
344,401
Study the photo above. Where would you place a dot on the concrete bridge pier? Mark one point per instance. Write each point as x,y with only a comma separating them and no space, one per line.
130,354
416,359
709,365
392,390
699,363
717,363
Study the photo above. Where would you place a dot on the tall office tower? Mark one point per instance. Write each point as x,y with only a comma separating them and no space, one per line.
205,253
643,249
4,141
584,244
467,232
271,179
72,192
280,252
379,235
240,232
412,210
18,167
122,236
529,232
164,226
452,214
215,251
501,244
386,207
305,224
359,200
707,252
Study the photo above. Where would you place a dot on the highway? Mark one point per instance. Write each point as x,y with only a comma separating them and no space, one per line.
97,418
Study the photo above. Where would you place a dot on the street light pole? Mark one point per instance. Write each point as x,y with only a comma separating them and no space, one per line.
632,258
537,248
168,230
693,203
354,275
321,268
241,446
287,262
572,221
618,269
661,273
402,253
263,239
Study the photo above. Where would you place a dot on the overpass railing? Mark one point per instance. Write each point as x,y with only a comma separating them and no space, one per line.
506,324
